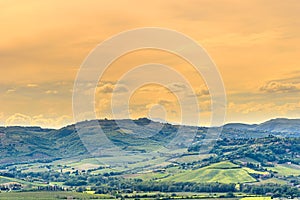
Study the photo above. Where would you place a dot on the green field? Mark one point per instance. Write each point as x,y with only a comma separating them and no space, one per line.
5,180
223,165
272,181
181,195
147,176
26,183
256,198
49,195
285,170
84,196
223,172
252,171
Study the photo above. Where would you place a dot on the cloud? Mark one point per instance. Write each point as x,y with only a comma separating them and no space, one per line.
51,92
165,102
254,107
19,119
201,91
205,106
279,87
10,91
38,91
292,77
121,89
109,87
177,87
41,120
106,88
32,85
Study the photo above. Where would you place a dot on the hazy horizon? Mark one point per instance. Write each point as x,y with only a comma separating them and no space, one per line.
154,120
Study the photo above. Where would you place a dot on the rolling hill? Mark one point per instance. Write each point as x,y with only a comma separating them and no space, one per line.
244,157
29,144
223,172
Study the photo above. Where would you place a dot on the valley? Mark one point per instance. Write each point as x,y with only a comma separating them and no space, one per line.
242,163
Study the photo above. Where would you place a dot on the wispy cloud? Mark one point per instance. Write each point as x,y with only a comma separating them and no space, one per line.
10,91
19,119
279,87
110,87
51,92
32,85
266,108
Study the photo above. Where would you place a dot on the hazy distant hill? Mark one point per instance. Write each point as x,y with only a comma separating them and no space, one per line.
240,126
23,144
280,125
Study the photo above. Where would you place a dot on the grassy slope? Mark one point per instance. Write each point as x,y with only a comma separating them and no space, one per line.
272,180
223,165
146,176
223,172
4,179
252,171
285,170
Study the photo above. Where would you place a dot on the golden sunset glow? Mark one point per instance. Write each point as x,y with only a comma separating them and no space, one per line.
255,45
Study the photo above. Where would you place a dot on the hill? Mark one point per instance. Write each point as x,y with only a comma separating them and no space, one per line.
242,160
278,125
223,172
30,144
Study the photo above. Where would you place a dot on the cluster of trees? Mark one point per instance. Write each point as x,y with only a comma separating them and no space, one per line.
116,184
128,186
50,188
185,187
10,186
272,189
264,150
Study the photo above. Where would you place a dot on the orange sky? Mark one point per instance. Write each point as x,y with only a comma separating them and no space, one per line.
254,43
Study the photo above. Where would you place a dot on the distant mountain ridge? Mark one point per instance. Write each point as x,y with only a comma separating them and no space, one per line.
279,125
